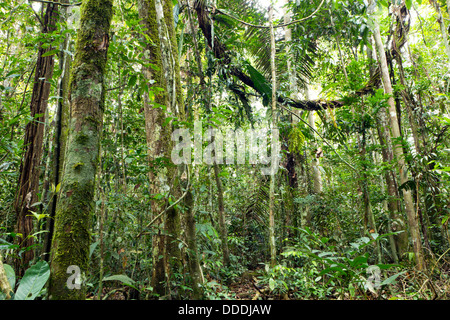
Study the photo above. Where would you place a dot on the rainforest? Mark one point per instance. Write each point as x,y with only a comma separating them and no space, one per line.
224,150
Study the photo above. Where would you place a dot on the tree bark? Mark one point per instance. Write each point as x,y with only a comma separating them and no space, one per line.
272,245
5,287
398,152
60,136
157,141
444,33
87,94
222,223
316,174
34,134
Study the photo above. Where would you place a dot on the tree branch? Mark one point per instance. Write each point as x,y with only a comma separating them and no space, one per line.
275,26
58,3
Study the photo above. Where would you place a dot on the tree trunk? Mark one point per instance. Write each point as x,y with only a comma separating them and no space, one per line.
87,94
398,152
194,265
5,287
272,245
157,141
222,223
34,134
316,174
60,136
440,20
171,67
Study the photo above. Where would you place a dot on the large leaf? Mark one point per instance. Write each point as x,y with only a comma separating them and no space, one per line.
261,83
391,279
33,281
122,278
10,274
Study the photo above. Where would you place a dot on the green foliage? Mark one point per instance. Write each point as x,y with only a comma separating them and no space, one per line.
296,140
32,283
315,268
325,239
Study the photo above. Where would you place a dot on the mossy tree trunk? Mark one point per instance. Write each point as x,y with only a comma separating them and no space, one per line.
171,67
161,51
156,135
222,222
5,287
76,203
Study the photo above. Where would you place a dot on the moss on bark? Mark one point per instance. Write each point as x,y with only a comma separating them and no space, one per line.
71,239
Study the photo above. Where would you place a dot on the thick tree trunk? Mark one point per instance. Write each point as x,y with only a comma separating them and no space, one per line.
87,94
157,141
34,135
5,286
162,51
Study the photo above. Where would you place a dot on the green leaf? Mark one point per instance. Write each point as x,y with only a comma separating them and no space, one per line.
33,281
408,4
261,83
132,81
122,278
92,248
10,274
272,284
50,53
391,279
384,3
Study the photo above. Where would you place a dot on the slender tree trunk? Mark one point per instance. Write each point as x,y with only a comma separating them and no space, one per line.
398,152
272,245
369,218
397,224
222,224
316,174
60,136
34,134
177,97
193,261
87,94
293,161
171,69
440,20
